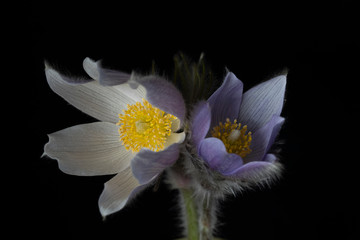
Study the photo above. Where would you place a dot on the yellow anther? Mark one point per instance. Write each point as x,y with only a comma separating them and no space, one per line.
144,126
235,138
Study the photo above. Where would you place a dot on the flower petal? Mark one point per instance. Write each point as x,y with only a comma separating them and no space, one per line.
148,164
118,191
200,124
261,102
230,164
164,95
263,138
258,172
271,158
103,103
71,80
175,138
88,149
106,77
213,151
252,166
226,100
91,68
175,125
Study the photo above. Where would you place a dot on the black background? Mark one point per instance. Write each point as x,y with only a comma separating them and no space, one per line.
316,197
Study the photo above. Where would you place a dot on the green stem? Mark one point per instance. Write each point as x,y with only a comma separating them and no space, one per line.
205,220
198,216
191,215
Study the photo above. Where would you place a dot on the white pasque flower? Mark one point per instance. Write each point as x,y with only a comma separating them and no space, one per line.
136,138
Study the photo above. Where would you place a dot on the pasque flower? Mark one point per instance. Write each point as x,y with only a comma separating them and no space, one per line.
141,133
137,136
233,132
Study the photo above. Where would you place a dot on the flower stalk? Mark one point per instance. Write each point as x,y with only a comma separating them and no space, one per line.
206,220
198,216
191,215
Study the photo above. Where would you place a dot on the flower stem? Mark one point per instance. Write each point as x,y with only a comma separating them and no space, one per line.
191,215
205,220
198,216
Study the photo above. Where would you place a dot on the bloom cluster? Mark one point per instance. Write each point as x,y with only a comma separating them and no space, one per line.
146,126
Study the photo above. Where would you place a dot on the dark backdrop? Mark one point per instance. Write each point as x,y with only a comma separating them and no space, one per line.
316,197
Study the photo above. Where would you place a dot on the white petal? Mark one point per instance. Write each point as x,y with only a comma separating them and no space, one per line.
175,125
101,102
135,94
88,149
174,138
118,191
106,77
262,102
91,68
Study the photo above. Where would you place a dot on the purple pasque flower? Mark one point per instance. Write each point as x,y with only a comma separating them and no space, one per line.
136,138
233,132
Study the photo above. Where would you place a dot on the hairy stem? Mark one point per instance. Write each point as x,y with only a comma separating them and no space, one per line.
198,216
191,215
206,219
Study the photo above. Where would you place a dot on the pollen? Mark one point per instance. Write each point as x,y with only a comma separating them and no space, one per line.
235,138
144,126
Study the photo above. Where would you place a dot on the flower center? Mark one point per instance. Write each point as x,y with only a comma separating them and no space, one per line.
144,126
235,138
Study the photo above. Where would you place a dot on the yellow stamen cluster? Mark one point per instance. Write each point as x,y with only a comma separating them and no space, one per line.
144,126
234,137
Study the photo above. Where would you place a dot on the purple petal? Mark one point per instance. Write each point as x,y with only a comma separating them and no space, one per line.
261,102
275,131
251,168
263,138
200,123
259,172
213,151
148,164
230,164
164,95
225,101
271,158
